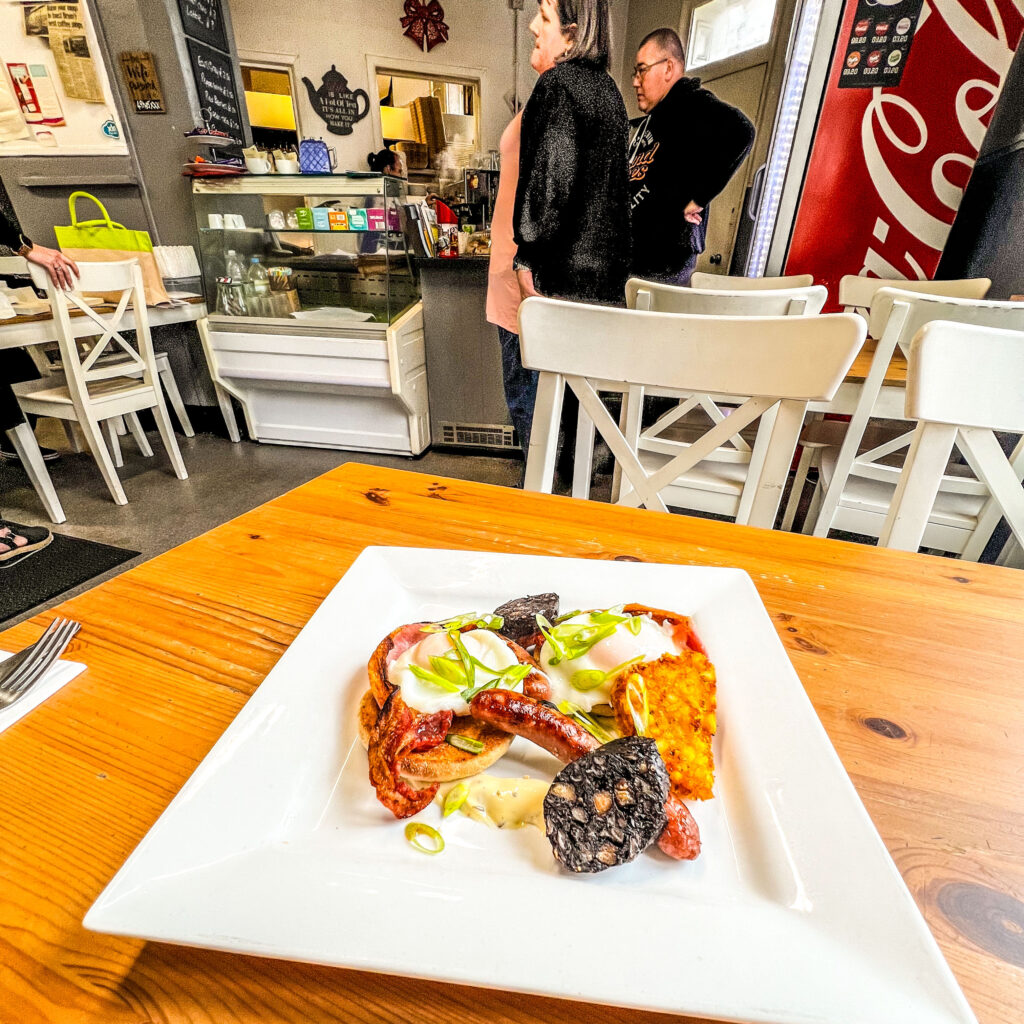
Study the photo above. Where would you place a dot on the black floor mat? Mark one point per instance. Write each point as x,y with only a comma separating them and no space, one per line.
64,563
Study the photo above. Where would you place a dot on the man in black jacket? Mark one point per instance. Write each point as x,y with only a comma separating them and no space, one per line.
682,154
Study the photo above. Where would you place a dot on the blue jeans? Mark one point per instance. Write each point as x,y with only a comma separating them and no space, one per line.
520,386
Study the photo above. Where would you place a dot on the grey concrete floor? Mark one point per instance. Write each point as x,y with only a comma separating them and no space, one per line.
225,480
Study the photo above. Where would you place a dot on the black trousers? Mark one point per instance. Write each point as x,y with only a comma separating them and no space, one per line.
15,366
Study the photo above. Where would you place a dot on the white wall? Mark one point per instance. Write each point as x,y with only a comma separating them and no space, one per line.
314,34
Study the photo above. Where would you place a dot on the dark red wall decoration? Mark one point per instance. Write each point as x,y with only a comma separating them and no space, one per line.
424,23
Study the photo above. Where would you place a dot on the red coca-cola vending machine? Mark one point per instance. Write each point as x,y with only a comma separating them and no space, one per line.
891,101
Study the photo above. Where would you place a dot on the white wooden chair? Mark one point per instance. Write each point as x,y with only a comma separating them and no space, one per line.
780,363
963,383
93,390
728,283
856,294
855,488
46,364
694,410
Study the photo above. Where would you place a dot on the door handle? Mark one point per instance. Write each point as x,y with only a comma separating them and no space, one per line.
756,191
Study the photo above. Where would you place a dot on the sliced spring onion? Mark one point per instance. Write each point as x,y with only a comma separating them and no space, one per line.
415,829
575,712
566,617
591,679
464,742
634,625
456,797
612,615
434,679
641,718
449,666
457,622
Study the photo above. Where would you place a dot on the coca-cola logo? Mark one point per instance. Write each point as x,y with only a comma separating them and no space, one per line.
894,122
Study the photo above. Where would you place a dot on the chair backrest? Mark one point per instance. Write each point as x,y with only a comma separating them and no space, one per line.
667,298
782,361
787,357
899,313
963,383
121,284
726,282
856,292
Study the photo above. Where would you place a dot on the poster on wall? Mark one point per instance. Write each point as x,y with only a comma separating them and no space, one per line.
214,74
70,48
879,43
36,95
888,166
204,20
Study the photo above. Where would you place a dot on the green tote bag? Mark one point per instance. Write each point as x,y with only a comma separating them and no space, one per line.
99,234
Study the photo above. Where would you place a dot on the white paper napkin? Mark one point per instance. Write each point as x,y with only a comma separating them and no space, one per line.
60,672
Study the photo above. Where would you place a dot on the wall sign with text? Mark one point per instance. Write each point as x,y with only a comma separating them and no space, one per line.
204,20
139,70
214,73
879,43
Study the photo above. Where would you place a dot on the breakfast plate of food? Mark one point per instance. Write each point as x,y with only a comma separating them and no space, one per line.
617,757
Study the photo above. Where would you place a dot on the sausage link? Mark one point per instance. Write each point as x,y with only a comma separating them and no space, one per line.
681,837
525,716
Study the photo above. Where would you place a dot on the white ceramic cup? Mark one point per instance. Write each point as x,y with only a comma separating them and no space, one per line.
257,164
216,220
288,167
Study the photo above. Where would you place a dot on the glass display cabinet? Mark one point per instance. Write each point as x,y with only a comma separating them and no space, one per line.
316,324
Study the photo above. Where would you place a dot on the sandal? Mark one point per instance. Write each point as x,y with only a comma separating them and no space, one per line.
17,542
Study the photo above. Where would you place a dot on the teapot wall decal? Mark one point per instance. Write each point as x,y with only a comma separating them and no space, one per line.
336,103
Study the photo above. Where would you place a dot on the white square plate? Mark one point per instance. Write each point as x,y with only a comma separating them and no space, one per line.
793,913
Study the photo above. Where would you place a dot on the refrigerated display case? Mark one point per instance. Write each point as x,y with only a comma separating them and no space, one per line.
316,324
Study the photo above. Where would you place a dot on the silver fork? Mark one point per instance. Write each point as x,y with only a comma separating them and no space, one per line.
50,646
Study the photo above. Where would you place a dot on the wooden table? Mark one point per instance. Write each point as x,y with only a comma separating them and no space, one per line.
38,328
912,662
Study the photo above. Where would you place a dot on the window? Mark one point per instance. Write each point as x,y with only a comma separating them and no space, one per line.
725,28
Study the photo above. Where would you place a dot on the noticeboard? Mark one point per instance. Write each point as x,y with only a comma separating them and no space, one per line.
214,74
204,20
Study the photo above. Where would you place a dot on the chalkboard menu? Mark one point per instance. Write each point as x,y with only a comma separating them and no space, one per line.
204,20
214,74
879,43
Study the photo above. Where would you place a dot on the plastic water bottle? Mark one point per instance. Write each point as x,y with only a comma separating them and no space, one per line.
234,268
258,287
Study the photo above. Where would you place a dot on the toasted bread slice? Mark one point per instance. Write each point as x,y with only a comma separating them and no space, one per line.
443,763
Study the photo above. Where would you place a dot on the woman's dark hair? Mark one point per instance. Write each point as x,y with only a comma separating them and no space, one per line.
381,161
592,35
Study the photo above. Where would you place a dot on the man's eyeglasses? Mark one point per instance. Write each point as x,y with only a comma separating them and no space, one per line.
639,70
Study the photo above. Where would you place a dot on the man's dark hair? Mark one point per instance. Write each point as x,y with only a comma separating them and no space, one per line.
668,41
592,38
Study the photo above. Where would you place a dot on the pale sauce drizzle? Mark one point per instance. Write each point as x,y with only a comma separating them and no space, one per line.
504,803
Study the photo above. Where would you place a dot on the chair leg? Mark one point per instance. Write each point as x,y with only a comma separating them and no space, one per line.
113,442
174,395
813,510
163,422
72,435
119,426
799,480
540,459
583,455
139,434
228,412
27,447
94,438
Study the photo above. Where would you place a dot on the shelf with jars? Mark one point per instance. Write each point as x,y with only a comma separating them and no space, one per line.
320,338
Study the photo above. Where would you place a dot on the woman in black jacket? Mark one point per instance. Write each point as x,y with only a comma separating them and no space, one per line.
571,217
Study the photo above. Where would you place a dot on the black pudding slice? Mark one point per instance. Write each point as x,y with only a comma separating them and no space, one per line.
521,614
608,806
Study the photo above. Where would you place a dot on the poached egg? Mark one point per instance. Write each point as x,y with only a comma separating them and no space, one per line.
612,653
